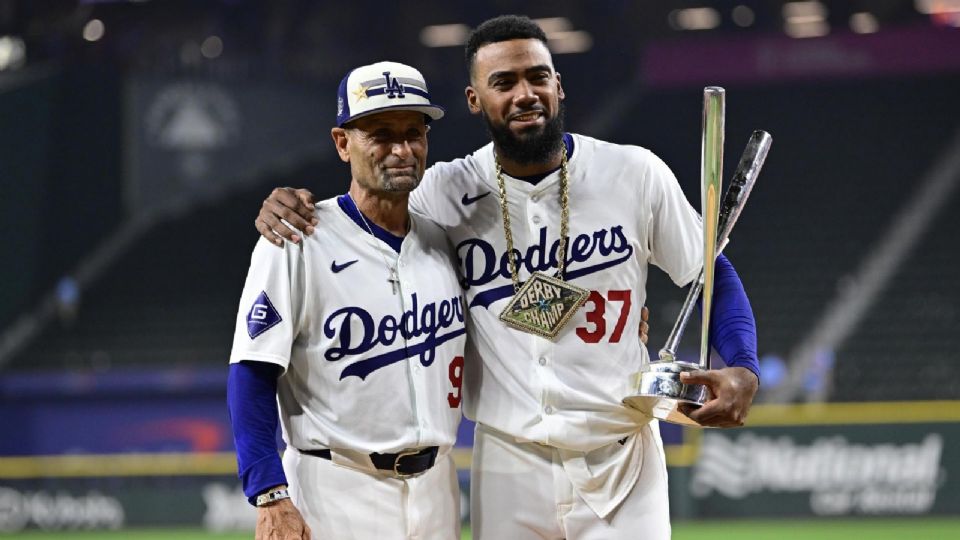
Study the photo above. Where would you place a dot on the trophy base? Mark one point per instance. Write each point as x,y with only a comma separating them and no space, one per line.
660,392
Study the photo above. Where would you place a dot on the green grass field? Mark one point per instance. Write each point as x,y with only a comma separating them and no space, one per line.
873,529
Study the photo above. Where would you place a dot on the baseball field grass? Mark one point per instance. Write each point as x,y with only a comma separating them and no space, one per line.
848,529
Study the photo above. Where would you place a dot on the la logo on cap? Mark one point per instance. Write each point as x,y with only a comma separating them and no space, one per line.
394,88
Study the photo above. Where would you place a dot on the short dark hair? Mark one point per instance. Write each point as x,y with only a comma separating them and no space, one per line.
502,28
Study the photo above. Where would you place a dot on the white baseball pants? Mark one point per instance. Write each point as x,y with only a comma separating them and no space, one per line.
520,491
346,503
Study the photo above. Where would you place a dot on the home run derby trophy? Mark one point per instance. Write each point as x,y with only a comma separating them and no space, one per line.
660,391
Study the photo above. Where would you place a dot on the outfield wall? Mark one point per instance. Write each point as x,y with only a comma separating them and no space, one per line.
829,460
136,449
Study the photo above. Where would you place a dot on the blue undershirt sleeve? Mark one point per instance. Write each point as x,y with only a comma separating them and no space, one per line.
252,400
733,329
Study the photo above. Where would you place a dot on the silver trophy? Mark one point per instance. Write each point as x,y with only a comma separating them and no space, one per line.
660,391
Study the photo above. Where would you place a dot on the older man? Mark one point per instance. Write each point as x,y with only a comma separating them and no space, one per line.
358,332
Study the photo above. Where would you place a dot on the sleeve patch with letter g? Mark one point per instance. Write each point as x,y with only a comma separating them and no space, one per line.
262,316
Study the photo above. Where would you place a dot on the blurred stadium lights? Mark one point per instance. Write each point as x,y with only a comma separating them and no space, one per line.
444,35
807,29
562,39
941,12
804,12
212,47
805,19
93,30
554,25
933,7
699,18
742,16
190,53
864,23
13,52
575,41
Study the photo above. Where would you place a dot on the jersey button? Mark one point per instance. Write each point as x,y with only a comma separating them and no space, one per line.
536,220
535,198
548,409
542,361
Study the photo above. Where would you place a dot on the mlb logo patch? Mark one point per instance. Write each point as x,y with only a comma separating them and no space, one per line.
262,316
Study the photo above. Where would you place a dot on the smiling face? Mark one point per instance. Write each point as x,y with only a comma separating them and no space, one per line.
514,87
387,151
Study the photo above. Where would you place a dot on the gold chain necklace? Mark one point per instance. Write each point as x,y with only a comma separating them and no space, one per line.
544,304
564,220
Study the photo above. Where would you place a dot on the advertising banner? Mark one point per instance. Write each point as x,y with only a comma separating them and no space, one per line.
887,459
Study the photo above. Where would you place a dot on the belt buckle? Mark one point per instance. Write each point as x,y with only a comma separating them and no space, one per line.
396,463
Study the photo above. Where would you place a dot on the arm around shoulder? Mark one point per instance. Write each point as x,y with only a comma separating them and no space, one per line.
286,206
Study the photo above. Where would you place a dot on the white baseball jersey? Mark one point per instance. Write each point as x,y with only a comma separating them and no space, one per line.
626,211
365,369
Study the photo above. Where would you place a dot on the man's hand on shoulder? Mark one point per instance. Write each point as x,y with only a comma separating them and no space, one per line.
295,206
731,394
281,521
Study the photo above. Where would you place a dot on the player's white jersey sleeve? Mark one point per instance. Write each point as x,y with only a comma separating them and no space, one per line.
675,229
437,194
271,305
419,201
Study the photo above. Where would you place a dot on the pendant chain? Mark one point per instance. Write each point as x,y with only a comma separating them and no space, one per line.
393,278
564,220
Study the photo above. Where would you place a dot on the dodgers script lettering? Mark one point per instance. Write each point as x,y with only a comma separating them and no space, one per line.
428,321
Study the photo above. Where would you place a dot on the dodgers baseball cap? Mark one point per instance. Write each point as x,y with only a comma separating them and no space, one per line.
384,86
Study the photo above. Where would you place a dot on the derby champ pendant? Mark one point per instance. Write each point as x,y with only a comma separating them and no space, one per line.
543,305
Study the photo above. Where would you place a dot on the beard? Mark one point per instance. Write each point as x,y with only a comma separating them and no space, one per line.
535,145
392,181
403,183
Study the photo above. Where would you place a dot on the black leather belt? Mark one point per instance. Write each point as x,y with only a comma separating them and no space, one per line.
401,464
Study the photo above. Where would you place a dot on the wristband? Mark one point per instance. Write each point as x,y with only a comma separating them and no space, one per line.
272,496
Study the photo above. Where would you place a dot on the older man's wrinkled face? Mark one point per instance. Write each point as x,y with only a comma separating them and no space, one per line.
387,151
514,87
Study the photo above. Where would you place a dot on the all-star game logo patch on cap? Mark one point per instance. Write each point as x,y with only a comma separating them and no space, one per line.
384,86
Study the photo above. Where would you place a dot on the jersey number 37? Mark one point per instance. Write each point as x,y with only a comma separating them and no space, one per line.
596,327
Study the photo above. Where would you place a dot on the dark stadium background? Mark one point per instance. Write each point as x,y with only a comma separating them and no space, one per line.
137,139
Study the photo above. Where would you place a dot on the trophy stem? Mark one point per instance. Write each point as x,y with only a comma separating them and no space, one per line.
711,154
669,351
